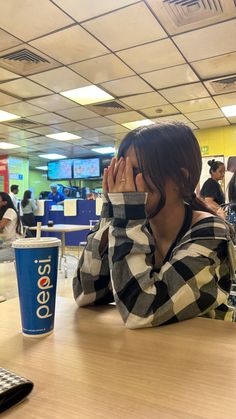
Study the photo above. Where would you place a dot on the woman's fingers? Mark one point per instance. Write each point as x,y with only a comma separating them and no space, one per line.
140,183
130,185
104,180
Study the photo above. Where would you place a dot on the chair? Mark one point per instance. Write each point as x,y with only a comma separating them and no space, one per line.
83,243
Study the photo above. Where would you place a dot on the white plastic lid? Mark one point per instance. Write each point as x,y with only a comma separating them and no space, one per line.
32,242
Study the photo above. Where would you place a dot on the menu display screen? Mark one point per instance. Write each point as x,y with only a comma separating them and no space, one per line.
86,168
60,169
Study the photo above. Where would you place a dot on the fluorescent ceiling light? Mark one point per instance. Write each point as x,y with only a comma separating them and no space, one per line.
136,124
87,95
6,116
6,146
41,167
63,136
229,110
104,150
52,156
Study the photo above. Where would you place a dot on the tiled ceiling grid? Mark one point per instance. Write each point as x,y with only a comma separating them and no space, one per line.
159,59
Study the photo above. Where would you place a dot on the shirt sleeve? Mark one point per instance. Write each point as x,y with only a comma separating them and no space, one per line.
190,284
92,284
10,214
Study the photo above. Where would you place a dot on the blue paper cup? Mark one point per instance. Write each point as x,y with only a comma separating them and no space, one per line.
36,268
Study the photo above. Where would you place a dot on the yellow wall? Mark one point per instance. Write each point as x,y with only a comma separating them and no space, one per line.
220,140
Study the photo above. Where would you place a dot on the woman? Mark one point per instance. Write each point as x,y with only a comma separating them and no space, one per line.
211,190
28,206
8,226
158,251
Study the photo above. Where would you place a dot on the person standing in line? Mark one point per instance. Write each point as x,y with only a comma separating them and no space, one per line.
28,206
211,190
14,190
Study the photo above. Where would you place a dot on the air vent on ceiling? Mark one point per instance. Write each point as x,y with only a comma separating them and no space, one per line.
22,123
24,54
181,15
108,108
222,85
25,60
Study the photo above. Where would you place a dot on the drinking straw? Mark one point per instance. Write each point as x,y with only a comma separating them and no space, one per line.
38,231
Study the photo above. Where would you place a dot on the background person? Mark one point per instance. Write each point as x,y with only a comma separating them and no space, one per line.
211,190
54,195
159,252
28,206
8,225
14,190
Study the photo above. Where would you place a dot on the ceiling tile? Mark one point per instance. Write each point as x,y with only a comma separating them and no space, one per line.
113,130
172,118
24,88
221,65
121,26
187,92
196,105
52,103
131,116
77,113
6,99
95,122
156,111
4,129
44,16
48,118
126,86
89,134
207,114
7,40
221,85
77,45
7,75
44,131
208,42
22,109
22,135
232,119
144,101
70,126
152,56
59,79
220,122
82,10
173,76
226,100
101,69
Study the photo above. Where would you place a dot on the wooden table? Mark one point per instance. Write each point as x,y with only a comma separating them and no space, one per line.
63,228
93,367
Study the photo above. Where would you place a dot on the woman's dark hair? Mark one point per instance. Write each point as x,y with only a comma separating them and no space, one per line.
26,197
214,165
167,151
7,198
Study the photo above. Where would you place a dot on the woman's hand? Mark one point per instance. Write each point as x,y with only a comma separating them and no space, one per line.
118,177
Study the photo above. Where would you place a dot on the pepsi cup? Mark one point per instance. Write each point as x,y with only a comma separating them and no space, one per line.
36,268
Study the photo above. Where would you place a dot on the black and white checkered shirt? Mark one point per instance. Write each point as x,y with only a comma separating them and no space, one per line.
194,282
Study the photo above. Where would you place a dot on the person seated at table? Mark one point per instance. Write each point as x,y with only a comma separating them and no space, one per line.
8,226
158,252
54,195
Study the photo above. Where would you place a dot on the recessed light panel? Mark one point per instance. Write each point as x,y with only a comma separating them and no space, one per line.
5,146
87,95
104,150
63,136
229,110
52,156
136,124
41,167
6,116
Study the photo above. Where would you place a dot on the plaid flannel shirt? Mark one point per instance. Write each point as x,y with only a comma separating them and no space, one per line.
194,282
